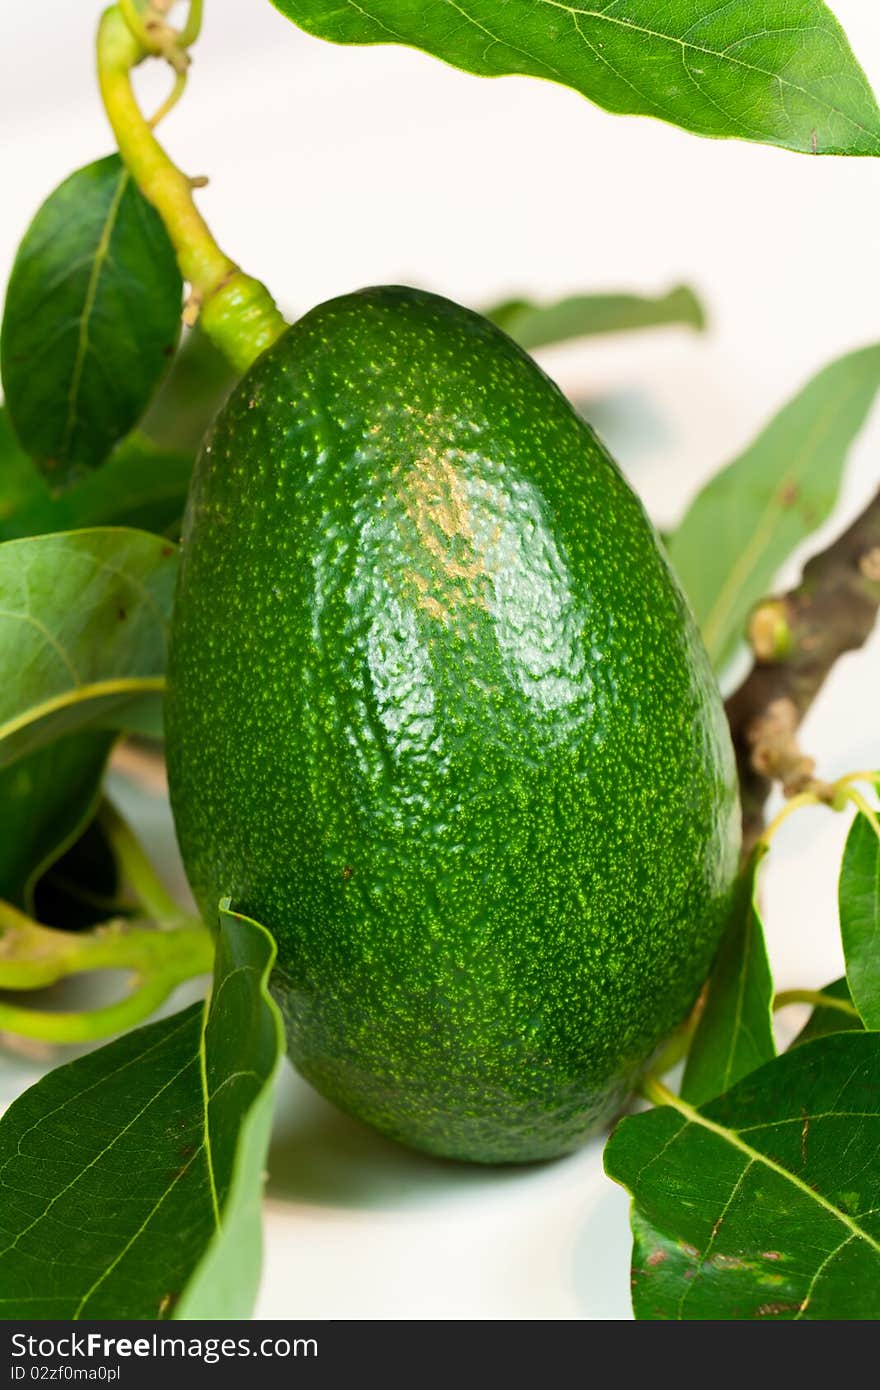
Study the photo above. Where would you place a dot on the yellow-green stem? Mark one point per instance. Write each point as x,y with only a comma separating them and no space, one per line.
33,956
817,998
137,871
237,312
652,1089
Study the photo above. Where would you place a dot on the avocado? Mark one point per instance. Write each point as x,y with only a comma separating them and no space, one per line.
439,717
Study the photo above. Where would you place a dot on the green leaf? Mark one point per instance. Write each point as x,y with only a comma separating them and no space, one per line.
20,482
198,383
735,1033
141,486
781,75
83,634
535,325
859,904
81,888
46,800
827,1019
92,318
749,518
131,1178
763,1203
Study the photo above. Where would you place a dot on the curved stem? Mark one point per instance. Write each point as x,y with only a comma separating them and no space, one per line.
238,314
170,101
135,21
148,888
76,1027
865,807
193,26
802,799
817,997
33,956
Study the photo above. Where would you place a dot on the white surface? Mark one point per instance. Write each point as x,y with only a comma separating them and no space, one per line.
332,168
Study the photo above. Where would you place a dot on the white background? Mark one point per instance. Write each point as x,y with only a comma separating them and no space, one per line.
332,168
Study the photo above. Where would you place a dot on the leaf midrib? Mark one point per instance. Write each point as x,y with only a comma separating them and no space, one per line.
643,30
74,695
82,344
715,53
732,1137
714,634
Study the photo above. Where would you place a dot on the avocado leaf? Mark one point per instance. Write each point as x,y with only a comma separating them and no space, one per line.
535,325
132,1177
761,1204
142,486
785,75
91,321
20,482
83,633
748,519
46,800
196,386
735,1031
859,905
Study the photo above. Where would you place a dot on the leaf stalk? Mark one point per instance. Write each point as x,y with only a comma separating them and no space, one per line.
237,312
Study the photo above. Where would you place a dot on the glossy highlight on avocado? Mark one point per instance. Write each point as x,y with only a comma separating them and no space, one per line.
439,718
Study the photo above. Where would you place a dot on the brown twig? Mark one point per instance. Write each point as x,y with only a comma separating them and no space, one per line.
796,639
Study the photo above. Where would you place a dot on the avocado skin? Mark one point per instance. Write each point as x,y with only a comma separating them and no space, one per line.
439,717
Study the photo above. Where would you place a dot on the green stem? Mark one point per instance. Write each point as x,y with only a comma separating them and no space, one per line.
817,997
33,956
652,1089
193,26
237,312
138,872
88,1026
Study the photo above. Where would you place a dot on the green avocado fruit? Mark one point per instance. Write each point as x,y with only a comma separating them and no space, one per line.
439,717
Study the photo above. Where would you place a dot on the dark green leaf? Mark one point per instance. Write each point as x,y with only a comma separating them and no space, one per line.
131,1178
83,634
859,903
141,486
20,482
735,1031
750,517
783,74
190,396
535,325
91,320
824,1020
46,799
763,1203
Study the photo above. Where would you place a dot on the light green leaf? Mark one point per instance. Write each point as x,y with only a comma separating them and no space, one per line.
131,1178
735,1033
244,1045
749,518
83,634
859,903
781,74
583,315
763,1203
91,321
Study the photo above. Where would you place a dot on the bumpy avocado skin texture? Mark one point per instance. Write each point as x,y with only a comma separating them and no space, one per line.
438,716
